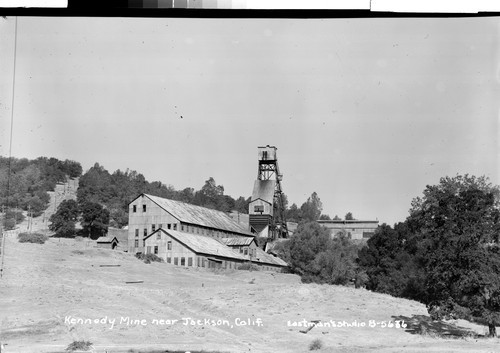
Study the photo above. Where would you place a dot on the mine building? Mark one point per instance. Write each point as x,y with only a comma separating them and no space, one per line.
353,229
148,213
191,250
245,246
192,236
266,209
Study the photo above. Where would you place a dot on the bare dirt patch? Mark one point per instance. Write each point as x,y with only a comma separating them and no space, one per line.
65,291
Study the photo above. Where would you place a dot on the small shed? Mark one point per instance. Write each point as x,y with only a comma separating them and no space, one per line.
107,243
121,235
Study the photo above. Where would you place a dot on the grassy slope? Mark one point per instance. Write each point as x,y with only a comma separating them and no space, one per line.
43,284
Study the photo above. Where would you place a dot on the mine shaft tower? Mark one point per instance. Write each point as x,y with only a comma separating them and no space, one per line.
266,209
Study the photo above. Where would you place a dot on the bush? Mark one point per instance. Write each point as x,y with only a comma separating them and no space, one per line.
248,266
10,224
79,346
36,238
148,258
315,345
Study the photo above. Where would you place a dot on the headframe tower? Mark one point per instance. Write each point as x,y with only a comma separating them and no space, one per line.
267,209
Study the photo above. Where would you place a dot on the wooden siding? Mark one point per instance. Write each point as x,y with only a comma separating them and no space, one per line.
140,220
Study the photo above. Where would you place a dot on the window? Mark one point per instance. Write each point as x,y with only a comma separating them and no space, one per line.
246,251
158,236
241,250
169,260
153,228
143,208
137,233
145,232
169,226
183,261
264,155
176,261
175,226
190,261
160,226
182,227
202,262
198,261
143,243
169,245
156,250
136,244
134,208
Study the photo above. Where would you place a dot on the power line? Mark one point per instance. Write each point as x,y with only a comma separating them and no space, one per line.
10,146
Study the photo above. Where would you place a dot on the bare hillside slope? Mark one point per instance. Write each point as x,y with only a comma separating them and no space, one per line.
59,292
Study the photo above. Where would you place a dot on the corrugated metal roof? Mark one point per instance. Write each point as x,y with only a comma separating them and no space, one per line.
262,256
198,215
344,221
264,190
238,241
106,239
202,244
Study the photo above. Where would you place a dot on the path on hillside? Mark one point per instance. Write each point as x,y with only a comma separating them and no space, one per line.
66,191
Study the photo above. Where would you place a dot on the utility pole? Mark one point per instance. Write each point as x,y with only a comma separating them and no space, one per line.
29,218
2,240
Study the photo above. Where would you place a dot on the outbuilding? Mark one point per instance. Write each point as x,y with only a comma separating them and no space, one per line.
107,242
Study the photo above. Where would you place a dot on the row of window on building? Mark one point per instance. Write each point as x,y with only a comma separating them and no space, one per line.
204,262
186,228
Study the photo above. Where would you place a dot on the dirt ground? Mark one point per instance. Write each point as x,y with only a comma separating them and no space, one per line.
66,290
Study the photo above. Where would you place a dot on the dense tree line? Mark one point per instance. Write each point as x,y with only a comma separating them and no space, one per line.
29,181
446,254
115,191
318,257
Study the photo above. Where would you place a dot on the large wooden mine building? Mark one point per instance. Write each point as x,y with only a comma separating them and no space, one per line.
266,209
192,236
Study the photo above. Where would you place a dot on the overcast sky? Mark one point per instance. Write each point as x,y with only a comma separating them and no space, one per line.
366,112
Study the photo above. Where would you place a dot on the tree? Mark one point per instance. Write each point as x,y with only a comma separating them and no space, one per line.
311,209
308,240
293,214
95,220
325,217
349,217
391,264
63,221
457,224
316,257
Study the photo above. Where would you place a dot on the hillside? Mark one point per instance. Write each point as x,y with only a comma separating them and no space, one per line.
46,286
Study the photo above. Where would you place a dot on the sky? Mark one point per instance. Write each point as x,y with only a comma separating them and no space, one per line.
364,111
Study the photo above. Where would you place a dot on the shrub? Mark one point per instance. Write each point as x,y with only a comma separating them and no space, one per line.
148,258
10,224
36,238
79,346
315,345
